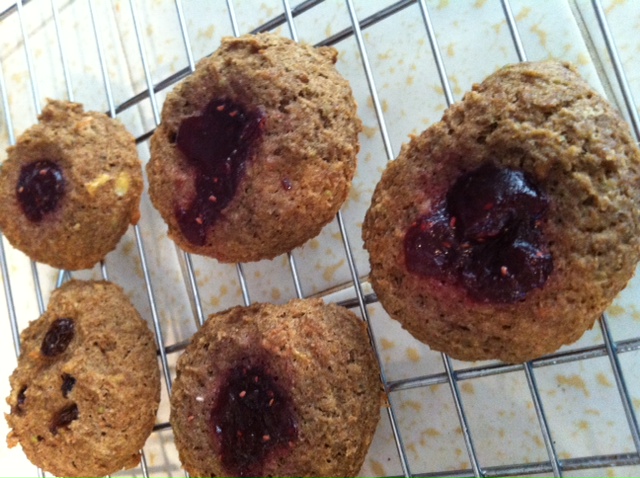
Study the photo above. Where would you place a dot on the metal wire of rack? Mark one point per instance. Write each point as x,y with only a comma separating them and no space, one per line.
358,296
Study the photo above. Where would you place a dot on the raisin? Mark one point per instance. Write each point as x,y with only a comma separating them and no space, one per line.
68,382
63,418
58,337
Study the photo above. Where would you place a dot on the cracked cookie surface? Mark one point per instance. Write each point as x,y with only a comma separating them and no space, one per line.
86,390
256,150
277,390
70,187
581,243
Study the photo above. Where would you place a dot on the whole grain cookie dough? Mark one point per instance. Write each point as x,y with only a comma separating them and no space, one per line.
268,390
70,187
256,150
86,390
504,230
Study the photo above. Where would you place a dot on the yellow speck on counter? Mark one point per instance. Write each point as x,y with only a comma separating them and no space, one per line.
524,13
377,468
615,310
417,406
451,49
369,132
413,354
275,293
574,381
603,380
467,387
224,290
330,271
542,35
479,3
387,344
583,424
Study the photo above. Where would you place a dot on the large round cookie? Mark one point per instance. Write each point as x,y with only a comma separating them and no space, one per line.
256,150
70,187
86,390
267,390
504,230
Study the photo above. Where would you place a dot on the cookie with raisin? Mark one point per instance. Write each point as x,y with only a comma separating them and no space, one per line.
86,390
256,150
504,230
277,390
70,187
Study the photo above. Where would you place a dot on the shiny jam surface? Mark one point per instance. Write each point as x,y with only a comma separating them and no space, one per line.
253,419
485,236
218,144
40,188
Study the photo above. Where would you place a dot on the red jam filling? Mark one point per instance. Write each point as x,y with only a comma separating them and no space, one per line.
484,236
253,419
218,143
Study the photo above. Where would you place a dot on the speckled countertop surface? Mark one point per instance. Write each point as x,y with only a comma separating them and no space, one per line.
580,398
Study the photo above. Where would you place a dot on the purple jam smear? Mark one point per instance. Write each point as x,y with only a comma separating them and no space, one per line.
485,236
218,144
58,337
63,418
40,188
253,419
68,382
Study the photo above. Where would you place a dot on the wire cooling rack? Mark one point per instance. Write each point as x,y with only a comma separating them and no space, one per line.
572,413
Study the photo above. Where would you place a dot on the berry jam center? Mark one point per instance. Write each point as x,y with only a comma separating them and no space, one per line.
218,144
58,337
40,187
485,236
252,419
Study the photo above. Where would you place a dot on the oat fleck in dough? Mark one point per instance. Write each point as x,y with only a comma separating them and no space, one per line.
70,187
268,390
505,230
86,390
256,150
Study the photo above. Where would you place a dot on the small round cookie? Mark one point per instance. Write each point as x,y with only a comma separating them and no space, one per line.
268,390
70,187
86,390
256,150
504,230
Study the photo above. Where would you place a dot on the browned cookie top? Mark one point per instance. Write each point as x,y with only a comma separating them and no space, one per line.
266,390
256,150
70,187
505,229
87,387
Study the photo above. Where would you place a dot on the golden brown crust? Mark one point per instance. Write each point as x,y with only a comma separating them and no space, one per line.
309,142
323,356
112,357
544,119
103,186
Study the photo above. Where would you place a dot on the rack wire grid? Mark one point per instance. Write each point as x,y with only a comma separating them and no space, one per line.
572,413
